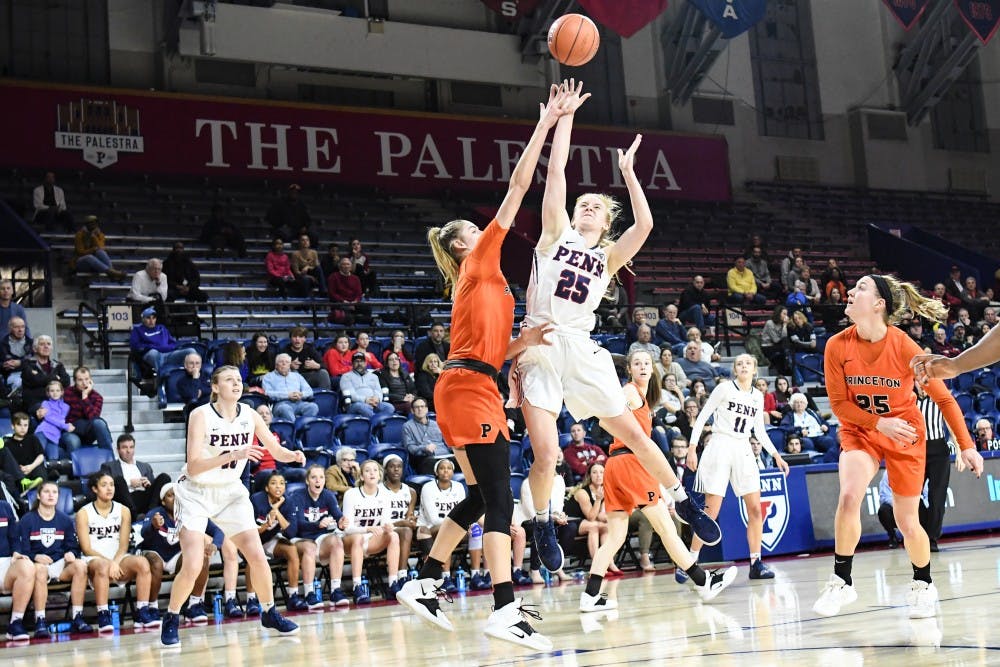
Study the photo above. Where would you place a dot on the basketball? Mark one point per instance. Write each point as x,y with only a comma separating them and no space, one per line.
573,39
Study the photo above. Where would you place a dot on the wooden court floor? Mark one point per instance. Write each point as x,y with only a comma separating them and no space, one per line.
659,623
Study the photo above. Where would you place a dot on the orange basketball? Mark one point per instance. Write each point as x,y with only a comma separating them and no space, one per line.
573,39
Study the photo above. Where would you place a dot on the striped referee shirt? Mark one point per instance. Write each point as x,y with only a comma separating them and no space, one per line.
933,419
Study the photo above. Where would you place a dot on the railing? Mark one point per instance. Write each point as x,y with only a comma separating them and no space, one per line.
723,326
82,333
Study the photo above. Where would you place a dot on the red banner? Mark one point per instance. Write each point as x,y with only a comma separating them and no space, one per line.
55,127
625,17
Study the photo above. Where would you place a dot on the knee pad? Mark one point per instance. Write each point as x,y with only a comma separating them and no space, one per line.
469,510
499,506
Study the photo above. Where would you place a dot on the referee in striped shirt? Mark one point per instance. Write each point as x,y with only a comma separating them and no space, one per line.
937,467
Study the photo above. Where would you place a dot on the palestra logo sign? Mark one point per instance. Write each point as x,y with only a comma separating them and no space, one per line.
774,507
99,129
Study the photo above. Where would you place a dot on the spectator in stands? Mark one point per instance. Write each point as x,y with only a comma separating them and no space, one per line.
801,338
788,267
234,354
774,339
695,368
220,234
985,440
402,390
344,473
808,424
267,464
812,290
36,373
644,341
149,285
671,401
28,453
756,241
330,262
757,263
831,311
954,285
666,365
763,459
288,214
694,305
770,403
306,267
49,201
402,503
53,432
427,377
586,505
9,309
708,352
260,358
137,487
104,528
306,361
154,345
276,530
337,359
686,418
963,318
973,299
85,405
797,300
632,330
793,445
15,348
566,530
990,316
669,329
183,277
437,498
699,392
960,339
344,289
362,269
580,454
195,388
371,359
318,518
435,342
397,344
362,387
279,271
423,440
59,556
833,278
89,255
289,392
742,285
782,393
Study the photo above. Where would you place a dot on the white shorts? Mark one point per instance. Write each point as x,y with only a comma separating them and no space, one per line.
269,547
5,564
319,539
227,506
169,566
56,568
573,369
727,461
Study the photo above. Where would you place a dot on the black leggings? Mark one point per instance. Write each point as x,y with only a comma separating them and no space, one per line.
490,465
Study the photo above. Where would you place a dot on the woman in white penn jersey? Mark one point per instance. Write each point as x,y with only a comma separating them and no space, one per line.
369,529
402,501
728,458
219,444
104,528
573,265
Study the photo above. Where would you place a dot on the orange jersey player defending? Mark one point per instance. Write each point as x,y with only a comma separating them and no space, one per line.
870,384
469,406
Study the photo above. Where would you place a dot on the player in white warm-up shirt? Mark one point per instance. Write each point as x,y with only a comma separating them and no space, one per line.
369,529
728,459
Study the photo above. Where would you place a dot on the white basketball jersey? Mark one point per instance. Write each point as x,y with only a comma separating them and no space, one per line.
736,412
399,502
105,532
222,436
436,503
366,510
568,281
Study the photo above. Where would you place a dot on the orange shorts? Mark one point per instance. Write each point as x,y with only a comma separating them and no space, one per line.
905,465
469,408
627,485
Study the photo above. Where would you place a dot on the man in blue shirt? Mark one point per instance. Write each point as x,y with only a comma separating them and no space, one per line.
364,390
289,391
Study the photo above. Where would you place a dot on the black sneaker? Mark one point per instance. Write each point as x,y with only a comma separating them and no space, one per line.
169,635
275,621
233,609
703,525
758,570
80,626
549,551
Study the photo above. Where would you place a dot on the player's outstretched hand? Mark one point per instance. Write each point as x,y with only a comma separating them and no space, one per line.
576,96
536,335
932,366
972,459
626,159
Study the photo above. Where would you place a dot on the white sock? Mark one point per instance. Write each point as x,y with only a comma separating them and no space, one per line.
754,557
229,595
678,493
356,581
15,616
694,554
445,574
142,604
542,514
334,584
193,600
251,596
78,610
100,607
266,606
40,615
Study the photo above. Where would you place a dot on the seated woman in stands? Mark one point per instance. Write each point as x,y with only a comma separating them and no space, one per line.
397,345
234,354
260,358
337,359
362,343
402,389
104,528
586,505
427,377
362,269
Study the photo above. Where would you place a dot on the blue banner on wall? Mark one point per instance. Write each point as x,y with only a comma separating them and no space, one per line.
788,527
982,16
732,17
907,11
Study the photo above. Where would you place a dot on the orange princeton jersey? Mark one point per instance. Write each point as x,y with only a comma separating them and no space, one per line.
643,415
483,313
869,380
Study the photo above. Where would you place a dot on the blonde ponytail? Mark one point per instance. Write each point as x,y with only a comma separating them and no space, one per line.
440,240
906,297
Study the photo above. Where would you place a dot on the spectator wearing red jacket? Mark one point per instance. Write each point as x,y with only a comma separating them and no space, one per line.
580,454
337,359
85,405
344,289
279,271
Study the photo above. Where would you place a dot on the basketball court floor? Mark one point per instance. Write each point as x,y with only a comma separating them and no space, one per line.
658,623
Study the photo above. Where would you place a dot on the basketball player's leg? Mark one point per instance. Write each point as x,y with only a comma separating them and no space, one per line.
755,521
708,584
617,531
97,570
713,504
544,432
259,572
915,540
192,563
307,552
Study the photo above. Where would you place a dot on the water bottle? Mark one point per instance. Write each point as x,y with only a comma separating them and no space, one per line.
546,576
217,607
579,575
412,573
460,582
61,627
116,620
318,589
365,592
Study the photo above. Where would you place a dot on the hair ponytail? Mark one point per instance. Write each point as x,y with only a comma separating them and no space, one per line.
906,297
440,240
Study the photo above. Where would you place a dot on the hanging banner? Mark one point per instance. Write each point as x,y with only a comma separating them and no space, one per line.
128,131
512,9
732,17
625,17
907,11
982,17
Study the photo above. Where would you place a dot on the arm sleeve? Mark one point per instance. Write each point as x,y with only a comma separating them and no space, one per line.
951,412
846,410
713,402
486,255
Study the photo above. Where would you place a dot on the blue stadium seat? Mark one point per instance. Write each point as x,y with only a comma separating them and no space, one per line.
517,457
314,433
88,460
170,380
353,432
564,440
964,382
984,402
986,378
327,401
388,428
615,344
417,481
380,450
255,400
285,430
294,487
810,366
516,480
965,401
